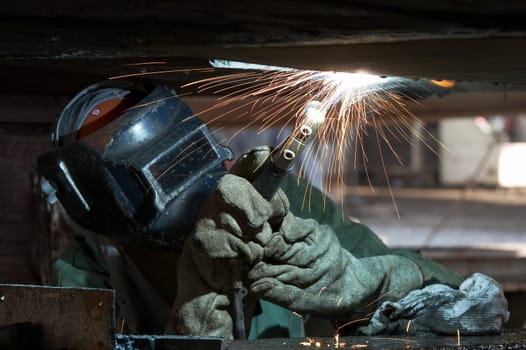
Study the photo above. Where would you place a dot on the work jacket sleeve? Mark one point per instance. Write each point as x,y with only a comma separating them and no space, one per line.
80,266
307,201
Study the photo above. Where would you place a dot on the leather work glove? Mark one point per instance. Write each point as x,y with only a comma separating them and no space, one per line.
477,306
232,223
305,269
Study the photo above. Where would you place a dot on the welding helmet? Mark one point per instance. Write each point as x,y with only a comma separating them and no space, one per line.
129,160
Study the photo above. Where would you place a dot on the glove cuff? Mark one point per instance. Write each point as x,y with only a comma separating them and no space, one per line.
405,276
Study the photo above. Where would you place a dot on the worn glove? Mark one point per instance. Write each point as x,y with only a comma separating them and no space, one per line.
305,269
233,222
478,306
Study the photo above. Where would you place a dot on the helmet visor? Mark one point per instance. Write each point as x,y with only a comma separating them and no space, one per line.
177,167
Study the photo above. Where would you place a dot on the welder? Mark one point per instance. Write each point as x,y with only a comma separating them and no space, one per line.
143,185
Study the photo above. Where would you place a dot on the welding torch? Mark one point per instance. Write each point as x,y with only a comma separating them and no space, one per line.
270,174
281,161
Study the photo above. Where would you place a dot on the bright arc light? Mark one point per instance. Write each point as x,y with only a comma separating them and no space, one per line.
341,83
349,87
336,87
347,106
345,79
349,81
315,112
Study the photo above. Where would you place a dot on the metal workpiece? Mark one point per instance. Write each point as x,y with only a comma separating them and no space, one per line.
39,317
168,342
507,340
50,318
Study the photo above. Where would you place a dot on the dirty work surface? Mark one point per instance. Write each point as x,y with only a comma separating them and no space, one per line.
508,340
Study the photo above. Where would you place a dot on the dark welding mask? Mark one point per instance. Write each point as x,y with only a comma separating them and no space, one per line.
130,161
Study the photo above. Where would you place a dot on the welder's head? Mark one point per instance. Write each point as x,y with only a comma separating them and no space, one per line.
129,160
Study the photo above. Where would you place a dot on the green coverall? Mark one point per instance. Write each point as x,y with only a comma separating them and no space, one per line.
80,265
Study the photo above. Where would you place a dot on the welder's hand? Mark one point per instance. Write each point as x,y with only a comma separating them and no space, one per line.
234,224
236,217
201,306
305,269
477,306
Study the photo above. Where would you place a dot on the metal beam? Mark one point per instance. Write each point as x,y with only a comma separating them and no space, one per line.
465,41
43,109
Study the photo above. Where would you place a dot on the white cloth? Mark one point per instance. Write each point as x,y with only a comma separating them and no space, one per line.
477,307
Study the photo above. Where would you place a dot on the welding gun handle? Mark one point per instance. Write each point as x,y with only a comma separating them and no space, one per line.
239,311
268,180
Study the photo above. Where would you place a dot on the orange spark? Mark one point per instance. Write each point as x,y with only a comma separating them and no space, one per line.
395,339
167,71
351,322
337,343
408,326
353,102
143,63
122,326
443,83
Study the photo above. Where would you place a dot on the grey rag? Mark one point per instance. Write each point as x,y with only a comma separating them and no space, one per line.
477,307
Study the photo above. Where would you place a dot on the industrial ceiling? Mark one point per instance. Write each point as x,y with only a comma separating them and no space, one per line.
55,47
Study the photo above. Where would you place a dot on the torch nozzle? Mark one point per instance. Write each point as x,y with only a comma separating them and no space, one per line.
314,116
278,165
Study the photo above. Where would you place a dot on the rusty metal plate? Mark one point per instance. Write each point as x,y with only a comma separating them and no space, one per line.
507,340
61,318
169,342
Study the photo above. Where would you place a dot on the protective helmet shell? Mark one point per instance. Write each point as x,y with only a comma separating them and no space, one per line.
141,176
